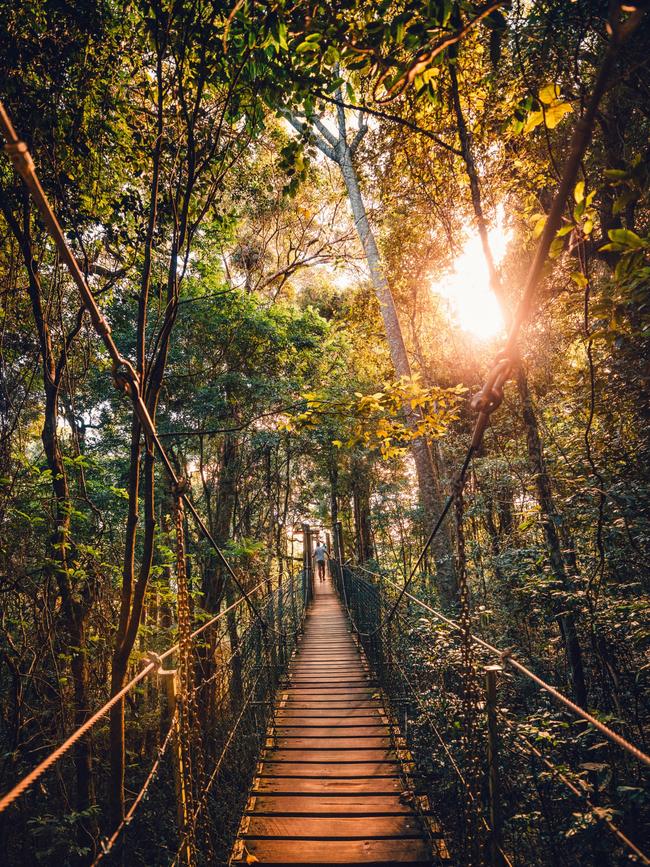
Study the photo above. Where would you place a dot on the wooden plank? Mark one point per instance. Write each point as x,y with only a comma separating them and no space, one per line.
331,805
335,694
339,851
328,787
319,770
311,717
316,786
323,827
283,719
341,743
325,704
329,755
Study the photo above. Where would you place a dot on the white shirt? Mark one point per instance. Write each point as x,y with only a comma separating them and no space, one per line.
320,552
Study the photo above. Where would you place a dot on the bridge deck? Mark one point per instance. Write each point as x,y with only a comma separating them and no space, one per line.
328,787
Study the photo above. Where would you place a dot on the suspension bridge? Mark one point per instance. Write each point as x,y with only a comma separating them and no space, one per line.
299,730
330,784
348,722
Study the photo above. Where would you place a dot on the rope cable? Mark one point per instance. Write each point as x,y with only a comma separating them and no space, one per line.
506,658
63,748
125,377
556,772
109,844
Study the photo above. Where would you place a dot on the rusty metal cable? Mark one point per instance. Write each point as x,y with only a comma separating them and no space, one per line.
472,795
210,781
205,782
491,395
457,488
506,658
556,772
187,720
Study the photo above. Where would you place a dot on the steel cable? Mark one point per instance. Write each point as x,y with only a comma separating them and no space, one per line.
506,658
125,376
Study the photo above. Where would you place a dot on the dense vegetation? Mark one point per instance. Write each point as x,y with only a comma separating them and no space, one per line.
265,200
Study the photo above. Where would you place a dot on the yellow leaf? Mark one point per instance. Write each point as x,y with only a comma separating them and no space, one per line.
555,113
534,119
549,94
539,226
579,192
579,279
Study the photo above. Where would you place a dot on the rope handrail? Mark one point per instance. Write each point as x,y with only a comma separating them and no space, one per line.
556,772
506,658
108,845
524,742
29,779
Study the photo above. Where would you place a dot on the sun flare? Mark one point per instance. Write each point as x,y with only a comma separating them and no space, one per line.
466,288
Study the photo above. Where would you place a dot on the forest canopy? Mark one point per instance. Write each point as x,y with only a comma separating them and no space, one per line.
322,240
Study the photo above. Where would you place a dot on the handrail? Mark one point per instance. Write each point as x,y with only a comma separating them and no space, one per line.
29,779
506,658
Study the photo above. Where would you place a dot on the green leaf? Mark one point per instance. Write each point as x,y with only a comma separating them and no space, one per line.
627,238
579,279
579,192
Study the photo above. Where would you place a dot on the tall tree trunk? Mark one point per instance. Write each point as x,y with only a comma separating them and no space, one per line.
333,472
361,504
75,600
427,464
550,517
214,579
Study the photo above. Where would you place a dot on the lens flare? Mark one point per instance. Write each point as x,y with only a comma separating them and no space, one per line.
466,288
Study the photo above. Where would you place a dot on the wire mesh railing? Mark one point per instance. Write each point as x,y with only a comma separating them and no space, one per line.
527,782
238,663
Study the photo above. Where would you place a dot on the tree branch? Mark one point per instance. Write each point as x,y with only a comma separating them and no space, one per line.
302,127
393,118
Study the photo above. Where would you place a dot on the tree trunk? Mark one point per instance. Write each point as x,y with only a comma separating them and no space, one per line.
214,578
550,517
361,503
550,522
75,601
431,494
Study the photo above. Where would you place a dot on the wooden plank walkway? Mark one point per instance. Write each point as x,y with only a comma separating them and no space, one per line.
327,790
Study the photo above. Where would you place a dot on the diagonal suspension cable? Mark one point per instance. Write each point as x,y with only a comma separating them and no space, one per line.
490,397
124,374
506,658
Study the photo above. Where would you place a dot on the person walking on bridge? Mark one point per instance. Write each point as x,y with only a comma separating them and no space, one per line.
320,554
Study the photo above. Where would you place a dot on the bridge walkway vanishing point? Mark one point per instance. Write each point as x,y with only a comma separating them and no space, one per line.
328,788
